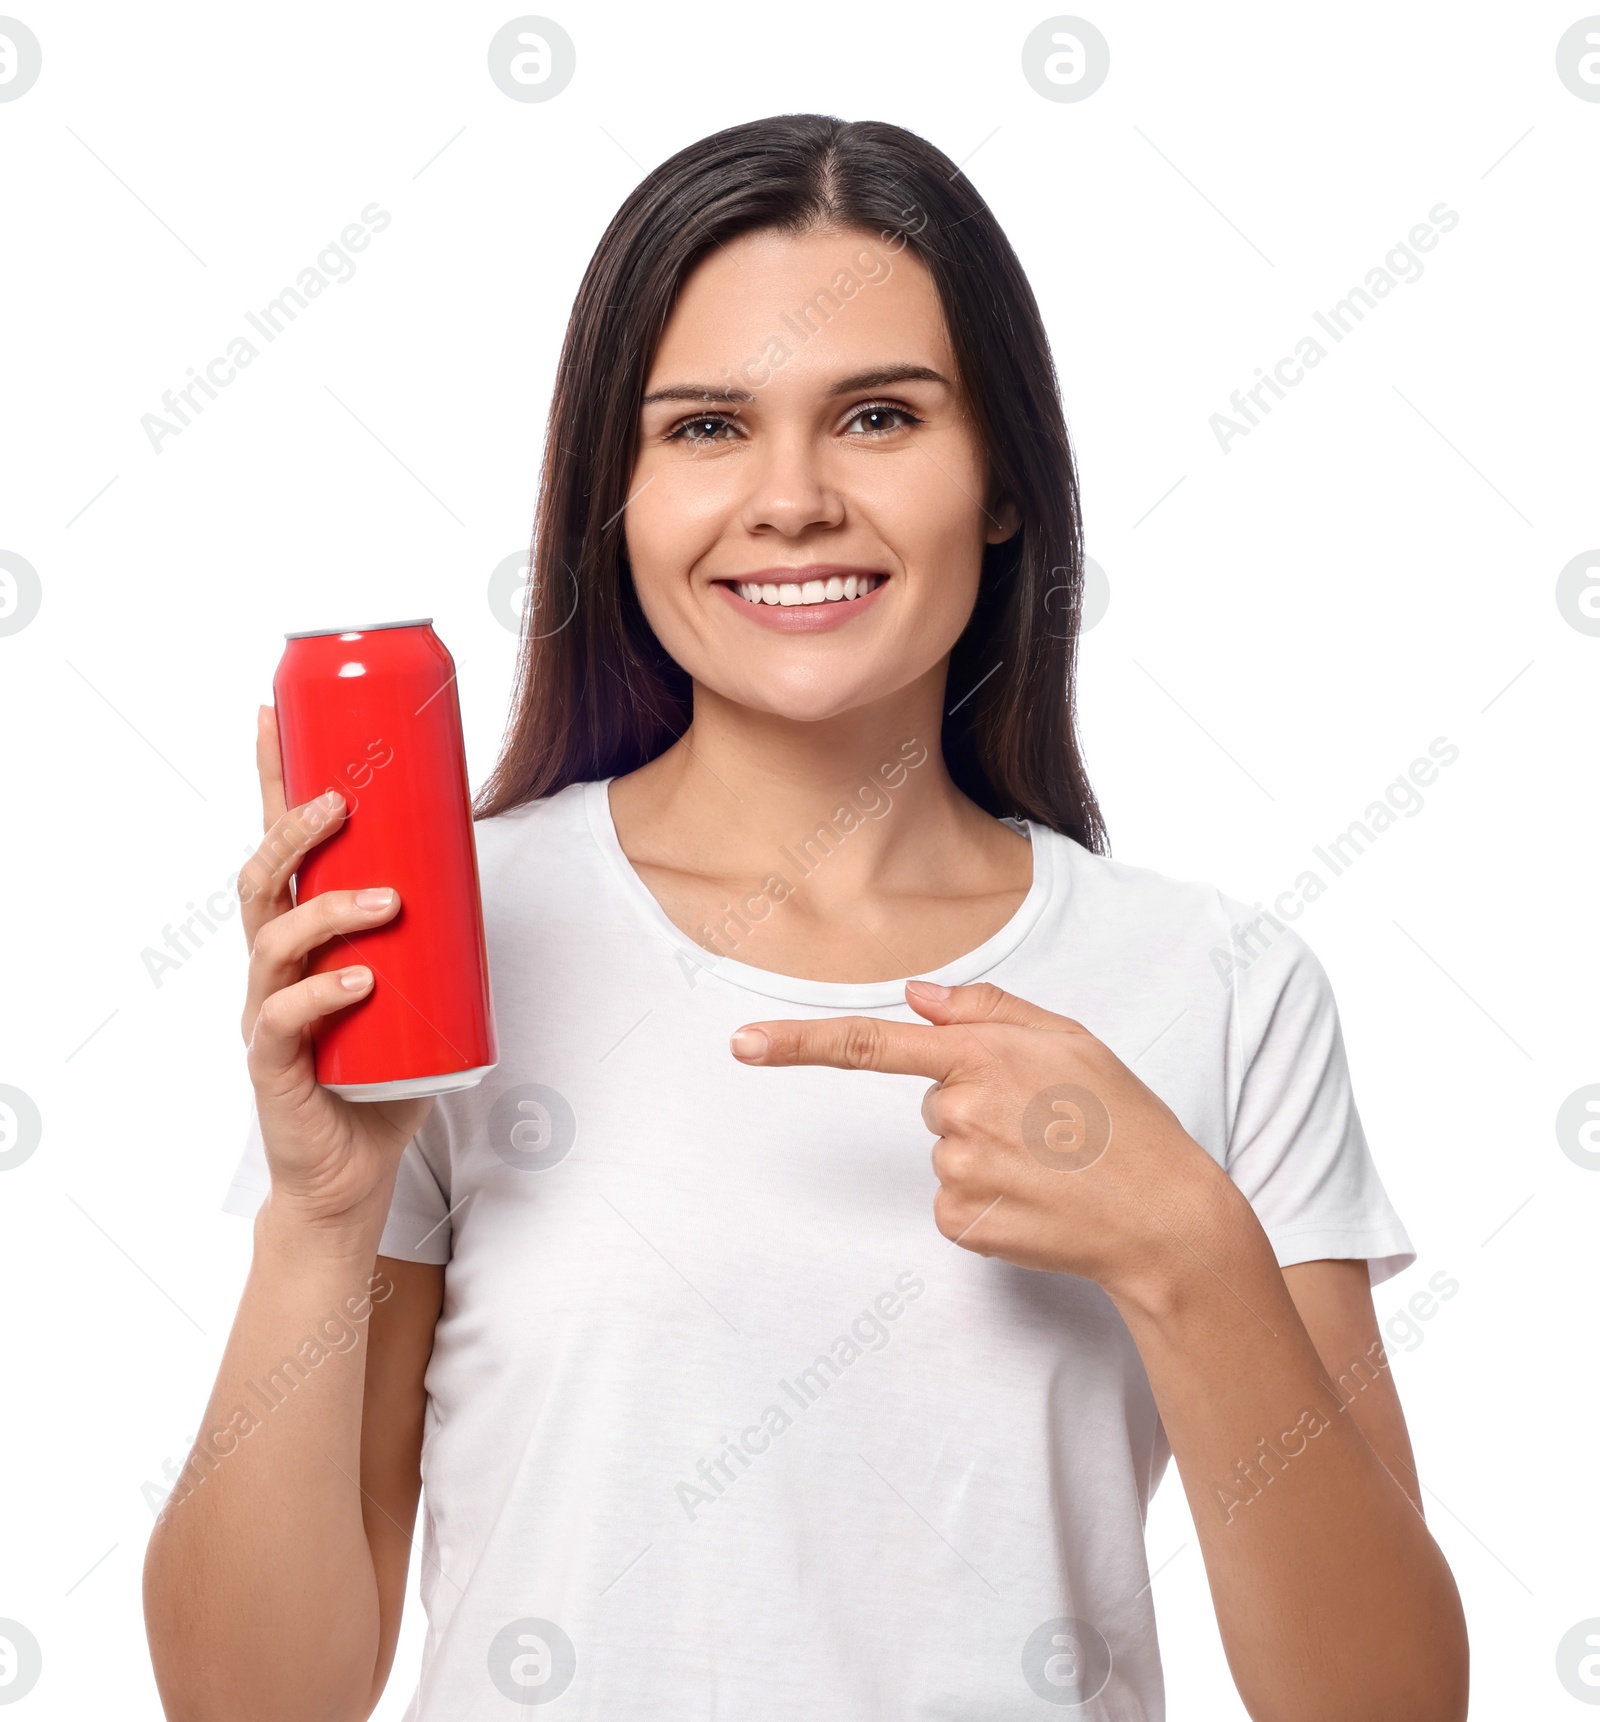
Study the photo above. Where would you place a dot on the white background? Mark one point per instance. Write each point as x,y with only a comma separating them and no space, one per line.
1372,567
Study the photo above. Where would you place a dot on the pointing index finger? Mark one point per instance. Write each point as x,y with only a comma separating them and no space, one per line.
857,1043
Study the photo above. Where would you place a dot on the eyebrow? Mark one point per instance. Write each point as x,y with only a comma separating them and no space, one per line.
879,378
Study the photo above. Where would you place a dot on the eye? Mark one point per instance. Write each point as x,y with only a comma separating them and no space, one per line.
881,419
702,428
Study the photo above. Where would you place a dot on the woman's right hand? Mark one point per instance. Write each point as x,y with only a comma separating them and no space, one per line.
332,1160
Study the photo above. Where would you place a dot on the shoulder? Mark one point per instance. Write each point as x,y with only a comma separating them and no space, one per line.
1137,903
550,819
548,841
1151,918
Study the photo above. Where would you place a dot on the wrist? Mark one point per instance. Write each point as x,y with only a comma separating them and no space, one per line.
1202,1240
288,1231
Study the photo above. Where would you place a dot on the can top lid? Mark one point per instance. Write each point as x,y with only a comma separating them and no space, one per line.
367,628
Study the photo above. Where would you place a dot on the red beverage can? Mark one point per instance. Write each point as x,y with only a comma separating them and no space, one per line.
372,712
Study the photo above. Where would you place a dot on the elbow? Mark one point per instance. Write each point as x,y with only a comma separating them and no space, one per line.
211,1665
1431,1681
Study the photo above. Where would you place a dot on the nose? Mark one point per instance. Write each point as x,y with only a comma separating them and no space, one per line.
790,492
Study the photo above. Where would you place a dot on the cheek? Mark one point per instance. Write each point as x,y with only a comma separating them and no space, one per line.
668,527
927,506
940,547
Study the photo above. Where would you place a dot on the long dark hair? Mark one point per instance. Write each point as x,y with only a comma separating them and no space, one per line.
596,694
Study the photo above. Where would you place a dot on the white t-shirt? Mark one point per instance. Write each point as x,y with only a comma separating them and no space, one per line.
718,1425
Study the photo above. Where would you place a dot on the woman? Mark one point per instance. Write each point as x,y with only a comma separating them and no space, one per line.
714,1417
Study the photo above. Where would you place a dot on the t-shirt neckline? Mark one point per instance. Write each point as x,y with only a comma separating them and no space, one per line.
795,989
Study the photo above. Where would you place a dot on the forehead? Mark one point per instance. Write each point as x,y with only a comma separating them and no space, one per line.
810,302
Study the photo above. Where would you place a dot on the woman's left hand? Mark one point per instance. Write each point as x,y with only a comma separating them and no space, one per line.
1051,1153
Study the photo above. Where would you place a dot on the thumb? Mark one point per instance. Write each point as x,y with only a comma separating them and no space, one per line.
983,1002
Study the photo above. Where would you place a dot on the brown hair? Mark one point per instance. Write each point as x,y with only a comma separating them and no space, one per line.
596,694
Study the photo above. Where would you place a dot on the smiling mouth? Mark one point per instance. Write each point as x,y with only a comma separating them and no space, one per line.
835,589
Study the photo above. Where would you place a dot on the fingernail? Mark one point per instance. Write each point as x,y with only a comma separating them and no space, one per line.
929,989
374,898
748,1043
331,801
356,980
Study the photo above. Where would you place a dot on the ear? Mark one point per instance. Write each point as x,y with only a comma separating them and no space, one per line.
1004,521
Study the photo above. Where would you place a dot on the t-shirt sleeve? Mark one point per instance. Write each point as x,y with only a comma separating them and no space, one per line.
1296,1148
418,1226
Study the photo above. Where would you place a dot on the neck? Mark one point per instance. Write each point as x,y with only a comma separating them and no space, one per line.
834,803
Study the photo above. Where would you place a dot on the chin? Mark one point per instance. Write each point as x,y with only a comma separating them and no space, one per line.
805,701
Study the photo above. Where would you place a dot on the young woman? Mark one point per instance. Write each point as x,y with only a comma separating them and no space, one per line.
725,1402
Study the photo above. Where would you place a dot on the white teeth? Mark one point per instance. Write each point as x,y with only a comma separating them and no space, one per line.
828,591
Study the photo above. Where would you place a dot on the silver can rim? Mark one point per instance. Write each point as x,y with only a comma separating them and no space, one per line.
367,628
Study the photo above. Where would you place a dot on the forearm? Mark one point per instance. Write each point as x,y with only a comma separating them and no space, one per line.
260,1596
1333,1600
